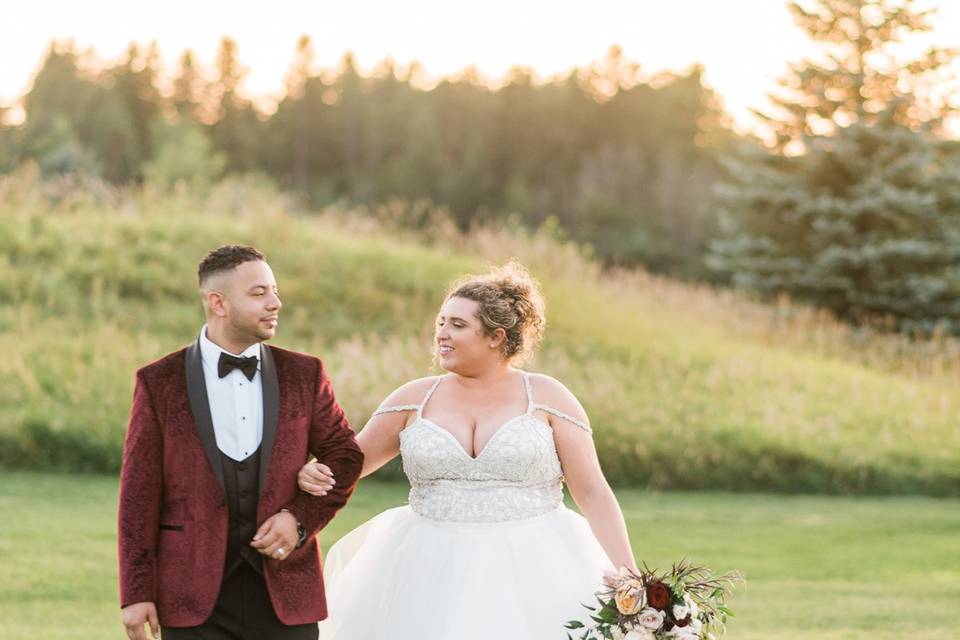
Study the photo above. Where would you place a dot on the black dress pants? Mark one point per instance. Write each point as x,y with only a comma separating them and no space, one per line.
243,612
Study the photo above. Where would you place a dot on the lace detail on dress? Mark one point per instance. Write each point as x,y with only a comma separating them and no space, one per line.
516,475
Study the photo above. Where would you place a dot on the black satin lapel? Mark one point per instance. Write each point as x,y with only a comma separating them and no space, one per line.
271,410
200,407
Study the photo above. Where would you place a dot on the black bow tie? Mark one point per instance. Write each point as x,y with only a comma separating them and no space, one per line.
228,363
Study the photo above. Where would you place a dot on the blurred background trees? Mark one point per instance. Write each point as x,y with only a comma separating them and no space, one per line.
865,224
859,76
865,220
850,203
619,161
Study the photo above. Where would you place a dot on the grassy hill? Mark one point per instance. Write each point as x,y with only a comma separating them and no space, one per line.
688,388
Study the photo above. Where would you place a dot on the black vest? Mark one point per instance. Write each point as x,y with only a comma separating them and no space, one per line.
242,485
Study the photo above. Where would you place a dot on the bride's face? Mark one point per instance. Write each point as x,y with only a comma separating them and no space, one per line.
461,340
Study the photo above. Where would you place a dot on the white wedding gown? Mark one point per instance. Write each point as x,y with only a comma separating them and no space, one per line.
485,549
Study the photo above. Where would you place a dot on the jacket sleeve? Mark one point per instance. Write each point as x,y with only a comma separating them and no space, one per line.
141,489
333,443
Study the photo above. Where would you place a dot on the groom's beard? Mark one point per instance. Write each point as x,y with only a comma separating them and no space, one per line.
251,330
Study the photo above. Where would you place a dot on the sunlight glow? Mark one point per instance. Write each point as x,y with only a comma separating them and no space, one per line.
744,45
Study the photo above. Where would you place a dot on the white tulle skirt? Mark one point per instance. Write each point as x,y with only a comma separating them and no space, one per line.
401,576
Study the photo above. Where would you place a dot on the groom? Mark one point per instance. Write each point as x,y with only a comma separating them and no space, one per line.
216,541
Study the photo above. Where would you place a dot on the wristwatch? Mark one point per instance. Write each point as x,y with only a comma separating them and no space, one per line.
301,531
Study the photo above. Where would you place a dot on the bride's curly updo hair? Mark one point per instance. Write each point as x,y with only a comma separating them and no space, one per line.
509,299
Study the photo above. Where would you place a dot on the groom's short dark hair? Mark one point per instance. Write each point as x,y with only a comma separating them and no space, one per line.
225,258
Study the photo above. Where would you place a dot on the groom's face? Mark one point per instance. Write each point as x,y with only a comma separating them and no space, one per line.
251,301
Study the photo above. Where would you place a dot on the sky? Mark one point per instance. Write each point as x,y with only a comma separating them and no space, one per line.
744,45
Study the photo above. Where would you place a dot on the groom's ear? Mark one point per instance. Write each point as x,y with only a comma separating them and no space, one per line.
213,303
212,296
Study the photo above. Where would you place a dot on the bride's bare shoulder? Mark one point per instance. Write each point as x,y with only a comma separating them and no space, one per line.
410,393
549,391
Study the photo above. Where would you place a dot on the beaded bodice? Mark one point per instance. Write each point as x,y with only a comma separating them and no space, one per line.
516,475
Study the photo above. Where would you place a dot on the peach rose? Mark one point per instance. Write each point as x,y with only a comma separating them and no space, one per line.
630,597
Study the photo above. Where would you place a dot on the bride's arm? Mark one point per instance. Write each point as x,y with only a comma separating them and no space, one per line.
583,475
379,439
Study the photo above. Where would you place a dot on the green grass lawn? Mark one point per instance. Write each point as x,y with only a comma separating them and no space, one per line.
817,567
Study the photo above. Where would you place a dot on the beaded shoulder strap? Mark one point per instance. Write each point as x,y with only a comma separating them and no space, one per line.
410,407
526,385
396,408
561,414
533,406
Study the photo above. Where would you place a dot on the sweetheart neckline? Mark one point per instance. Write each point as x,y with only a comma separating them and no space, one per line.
460,446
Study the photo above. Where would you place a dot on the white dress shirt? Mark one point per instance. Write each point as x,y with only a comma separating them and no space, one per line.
236,404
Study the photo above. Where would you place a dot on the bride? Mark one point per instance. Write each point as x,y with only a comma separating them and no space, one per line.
485,548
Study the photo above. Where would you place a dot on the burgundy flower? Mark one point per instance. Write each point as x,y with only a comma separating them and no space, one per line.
658,595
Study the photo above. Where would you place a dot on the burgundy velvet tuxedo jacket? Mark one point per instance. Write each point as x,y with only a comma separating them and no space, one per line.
173,509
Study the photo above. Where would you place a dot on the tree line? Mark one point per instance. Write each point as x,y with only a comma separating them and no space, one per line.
621,162
852,203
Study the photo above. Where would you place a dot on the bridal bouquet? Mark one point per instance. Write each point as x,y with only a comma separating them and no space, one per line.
686,603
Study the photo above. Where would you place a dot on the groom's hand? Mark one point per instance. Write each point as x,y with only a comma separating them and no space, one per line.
138,614
277,536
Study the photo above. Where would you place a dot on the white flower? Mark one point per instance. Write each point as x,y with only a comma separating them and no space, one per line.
618,634
694,609
680,611
639,634
696,625
650,618
684,633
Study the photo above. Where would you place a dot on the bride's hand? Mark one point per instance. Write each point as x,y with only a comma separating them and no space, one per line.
315,478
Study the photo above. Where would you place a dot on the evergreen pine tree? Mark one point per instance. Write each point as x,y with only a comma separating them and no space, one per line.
236,132
860,75
188,89
865,224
